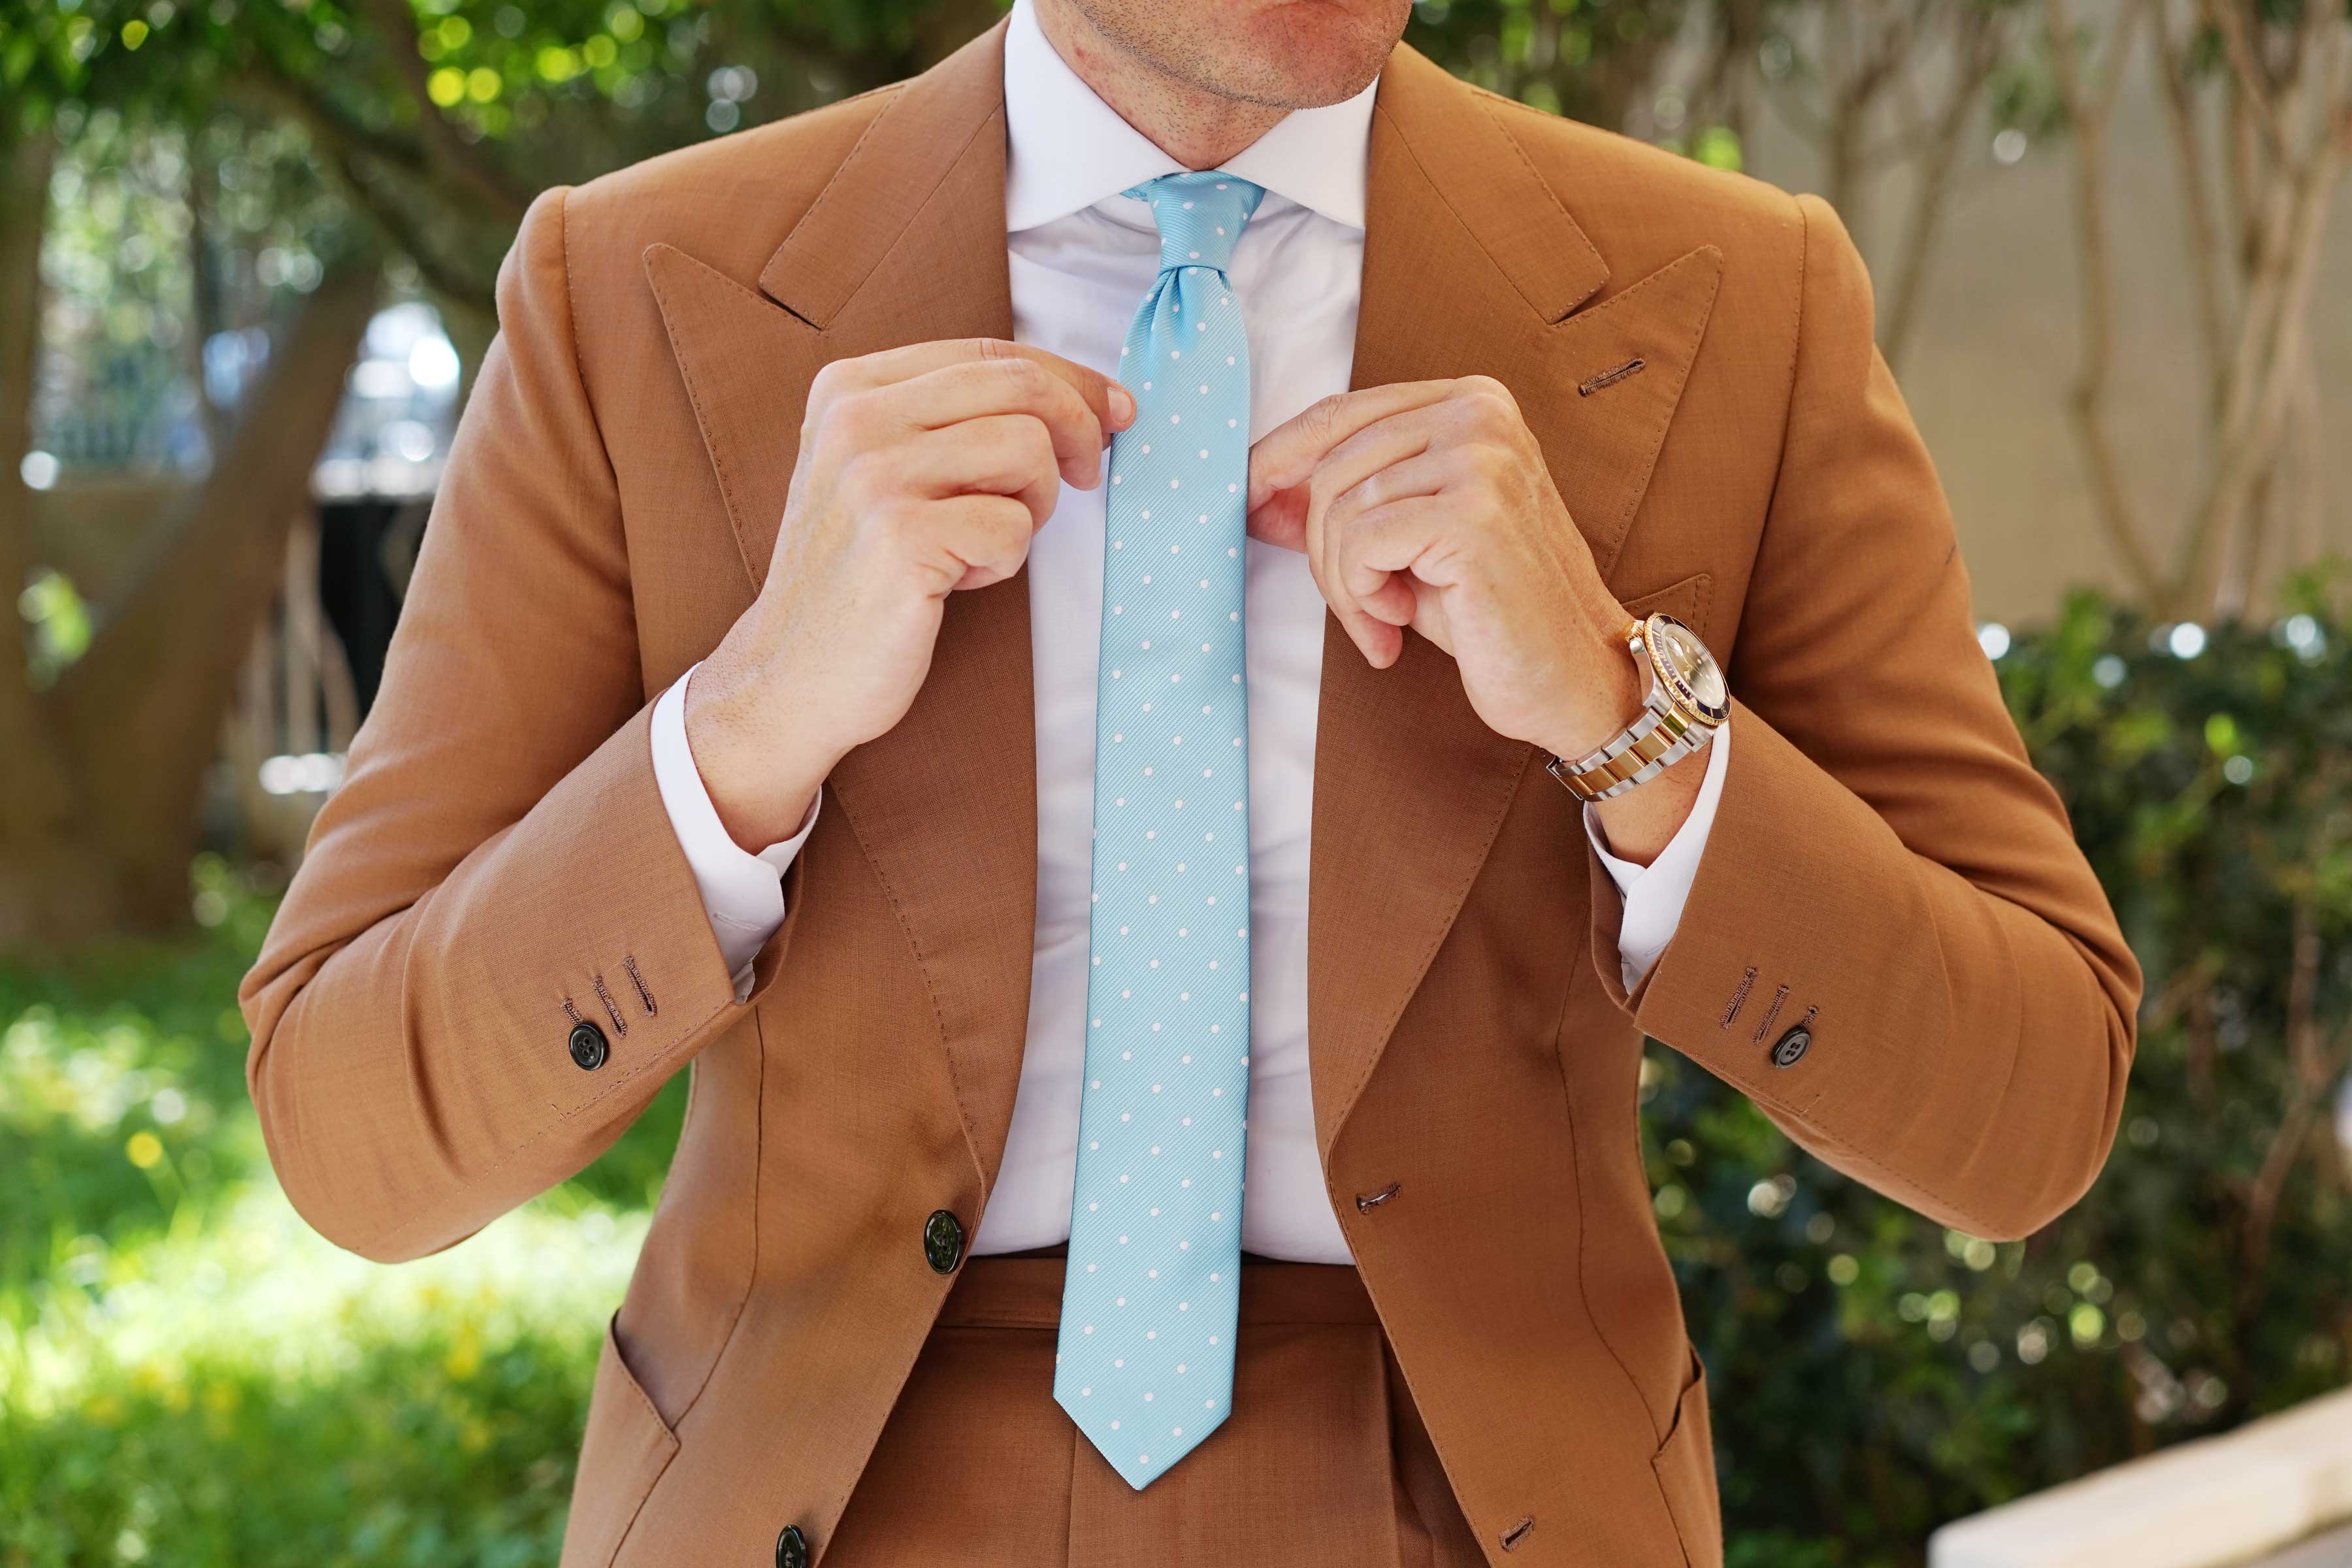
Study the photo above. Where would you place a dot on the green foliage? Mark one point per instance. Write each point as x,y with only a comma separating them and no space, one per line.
186,1374
1584,58
1873,1374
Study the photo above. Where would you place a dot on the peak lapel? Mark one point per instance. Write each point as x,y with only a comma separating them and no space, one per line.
1471,266
906,244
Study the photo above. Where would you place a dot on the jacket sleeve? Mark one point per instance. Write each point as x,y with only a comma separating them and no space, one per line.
1886,869
497,866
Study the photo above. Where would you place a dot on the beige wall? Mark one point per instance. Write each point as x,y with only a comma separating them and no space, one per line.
1997,348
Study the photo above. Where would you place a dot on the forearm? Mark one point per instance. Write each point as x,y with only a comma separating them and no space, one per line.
496,869
1893,944
1963,1053
415,1076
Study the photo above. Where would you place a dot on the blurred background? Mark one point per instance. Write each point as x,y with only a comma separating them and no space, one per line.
247,251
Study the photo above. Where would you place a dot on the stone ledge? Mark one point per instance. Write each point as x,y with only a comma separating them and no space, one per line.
2218,1500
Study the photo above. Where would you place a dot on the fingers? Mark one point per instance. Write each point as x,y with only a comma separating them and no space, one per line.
996,454
1374,559
1286,455
989,534
1385,458
978,389
1112,405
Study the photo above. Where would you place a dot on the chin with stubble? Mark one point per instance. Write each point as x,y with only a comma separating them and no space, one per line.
1276,54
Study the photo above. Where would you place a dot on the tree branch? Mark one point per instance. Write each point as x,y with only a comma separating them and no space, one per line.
462,288
344,147
2089,115
2203,238
1977,51
273,88
2239,48
450,152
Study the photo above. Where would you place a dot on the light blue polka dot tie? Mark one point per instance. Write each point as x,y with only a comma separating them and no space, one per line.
1146,1367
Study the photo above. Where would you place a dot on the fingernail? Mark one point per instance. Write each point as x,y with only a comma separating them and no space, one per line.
1122,404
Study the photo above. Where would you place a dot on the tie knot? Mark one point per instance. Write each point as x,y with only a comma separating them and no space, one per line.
1200,213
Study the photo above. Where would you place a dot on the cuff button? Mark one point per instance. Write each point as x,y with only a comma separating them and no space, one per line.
587,1046
1791,1046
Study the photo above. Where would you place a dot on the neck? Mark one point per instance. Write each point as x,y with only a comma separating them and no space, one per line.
1197,127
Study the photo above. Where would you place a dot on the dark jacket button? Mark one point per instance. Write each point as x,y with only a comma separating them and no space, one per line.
588,1047
792,1548
943,1241
1791,1046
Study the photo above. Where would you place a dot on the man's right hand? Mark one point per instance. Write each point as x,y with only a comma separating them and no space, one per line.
922,470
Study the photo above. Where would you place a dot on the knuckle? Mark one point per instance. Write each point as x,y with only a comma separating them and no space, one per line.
855,420
1322,416
1486,389
1014,525
1489,460
826,384
1038,440
1323,487
1024,376
1357,499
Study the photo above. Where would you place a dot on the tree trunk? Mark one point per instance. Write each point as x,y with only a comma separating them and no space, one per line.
138,717
37,805
37,800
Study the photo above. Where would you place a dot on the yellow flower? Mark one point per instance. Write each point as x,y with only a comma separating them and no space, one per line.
144,1151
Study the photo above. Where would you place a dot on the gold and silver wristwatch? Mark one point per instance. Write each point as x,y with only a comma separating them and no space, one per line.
1686,702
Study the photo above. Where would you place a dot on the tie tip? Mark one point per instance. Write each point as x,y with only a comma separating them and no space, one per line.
1140,1450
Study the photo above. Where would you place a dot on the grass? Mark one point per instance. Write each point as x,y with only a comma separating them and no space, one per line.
188,1375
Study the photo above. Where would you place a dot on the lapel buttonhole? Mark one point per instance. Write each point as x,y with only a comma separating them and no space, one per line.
1609,377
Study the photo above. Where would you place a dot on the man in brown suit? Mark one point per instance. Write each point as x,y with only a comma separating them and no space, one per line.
818,412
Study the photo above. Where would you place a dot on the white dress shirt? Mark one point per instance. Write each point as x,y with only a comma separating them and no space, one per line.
1082,258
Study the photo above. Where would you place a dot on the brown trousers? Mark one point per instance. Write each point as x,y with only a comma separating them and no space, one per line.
1324,1462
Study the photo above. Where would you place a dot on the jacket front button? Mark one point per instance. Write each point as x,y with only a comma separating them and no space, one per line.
587,1046
943,1242
1791,1046
792,1548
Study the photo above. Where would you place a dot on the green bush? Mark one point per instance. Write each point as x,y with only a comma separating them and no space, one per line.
187,1376
1876,1375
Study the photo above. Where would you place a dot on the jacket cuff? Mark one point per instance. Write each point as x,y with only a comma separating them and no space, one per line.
1654,894
1803,887
742,893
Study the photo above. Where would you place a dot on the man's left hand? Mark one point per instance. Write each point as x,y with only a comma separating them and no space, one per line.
1427,506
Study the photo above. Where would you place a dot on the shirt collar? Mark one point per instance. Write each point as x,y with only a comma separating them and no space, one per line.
1068,150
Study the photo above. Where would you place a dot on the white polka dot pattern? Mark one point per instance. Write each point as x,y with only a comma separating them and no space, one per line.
1152,1290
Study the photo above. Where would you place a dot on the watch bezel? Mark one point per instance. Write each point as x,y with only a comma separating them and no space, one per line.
1679,691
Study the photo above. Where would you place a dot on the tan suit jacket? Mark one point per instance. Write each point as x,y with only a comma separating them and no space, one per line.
1886,870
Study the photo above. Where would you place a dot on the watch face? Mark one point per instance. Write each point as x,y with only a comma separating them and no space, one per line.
1689,672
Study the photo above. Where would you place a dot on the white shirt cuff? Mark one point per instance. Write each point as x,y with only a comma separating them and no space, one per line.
742,893
1654,894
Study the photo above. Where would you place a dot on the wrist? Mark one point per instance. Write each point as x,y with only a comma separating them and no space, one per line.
1681,702
760,776
1600,706
1641,823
